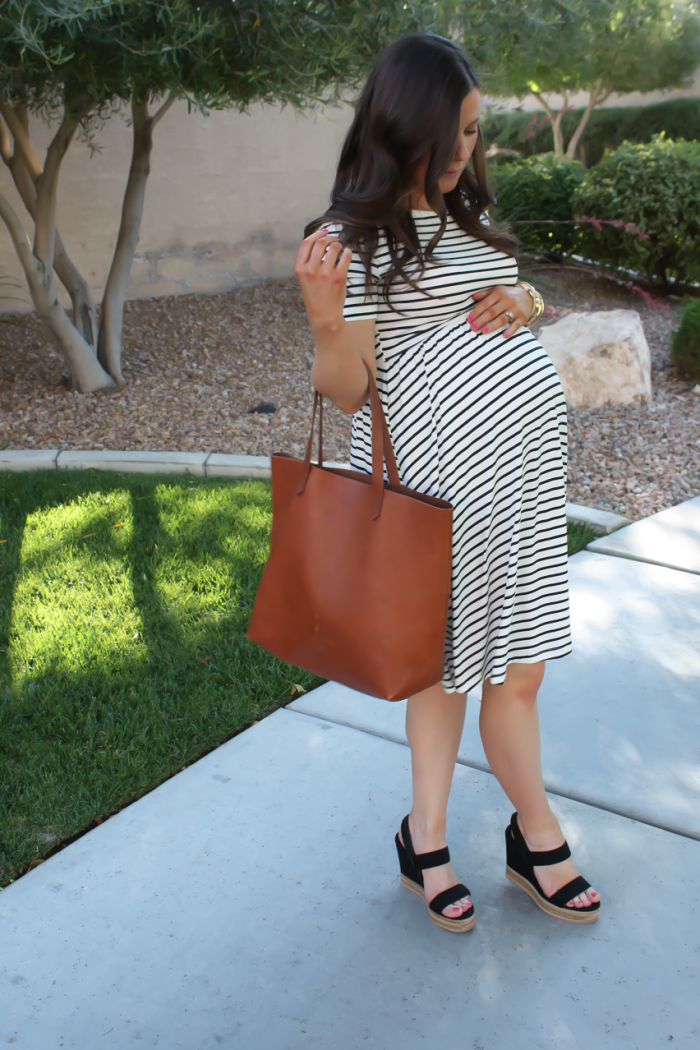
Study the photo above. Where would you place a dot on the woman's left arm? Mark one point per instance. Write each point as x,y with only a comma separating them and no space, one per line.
492,305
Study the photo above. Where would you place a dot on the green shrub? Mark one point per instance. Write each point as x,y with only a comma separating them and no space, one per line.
685,349
607,128
655,186
541,188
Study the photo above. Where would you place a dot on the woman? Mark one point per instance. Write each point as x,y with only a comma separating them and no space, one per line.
405,273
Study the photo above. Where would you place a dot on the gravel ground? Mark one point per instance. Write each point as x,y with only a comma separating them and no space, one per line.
195,365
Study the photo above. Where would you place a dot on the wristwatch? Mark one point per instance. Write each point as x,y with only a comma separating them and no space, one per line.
538,303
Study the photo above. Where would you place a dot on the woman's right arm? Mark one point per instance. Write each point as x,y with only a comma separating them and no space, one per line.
342,347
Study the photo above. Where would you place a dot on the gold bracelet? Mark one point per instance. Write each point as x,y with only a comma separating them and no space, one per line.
538,301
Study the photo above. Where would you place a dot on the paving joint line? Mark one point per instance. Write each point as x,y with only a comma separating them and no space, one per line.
552,789
642,561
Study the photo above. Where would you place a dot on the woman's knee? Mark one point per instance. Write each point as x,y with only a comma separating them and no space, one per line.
524,680
522,683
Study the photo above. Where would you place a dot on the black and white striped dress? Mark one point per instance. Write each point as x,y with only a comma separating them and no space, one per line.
479,420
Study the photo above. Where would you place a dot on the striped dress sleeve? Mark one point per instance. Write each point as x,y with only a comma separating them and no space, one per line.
360,304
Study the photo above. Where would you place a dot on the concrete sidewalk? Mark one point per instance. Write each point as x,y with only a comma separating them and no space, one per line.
253,900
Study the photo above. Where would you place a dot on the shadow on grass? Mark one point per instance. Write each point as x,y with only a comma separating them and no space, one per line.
124,604
123,608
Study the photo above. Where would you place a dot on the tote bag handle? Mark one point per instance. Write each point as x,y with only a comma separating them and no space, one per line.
382,448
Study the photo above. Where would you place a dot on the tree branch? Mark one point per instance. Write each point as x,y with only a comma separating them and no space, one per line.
109,342
47,185
554,119
17,233
85,368
160,113
21,137
594,97
543,102
84,313
5,144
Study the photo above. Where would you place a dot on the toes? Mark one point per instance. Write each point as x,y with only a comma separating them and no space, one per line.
456,910
584,899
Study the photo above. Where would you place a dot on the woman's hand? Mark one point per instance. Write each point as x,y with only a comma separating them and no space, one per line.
489,314
322,272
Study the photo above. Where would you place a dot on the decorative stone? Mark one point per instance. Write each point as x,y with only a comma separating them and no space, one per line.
601,358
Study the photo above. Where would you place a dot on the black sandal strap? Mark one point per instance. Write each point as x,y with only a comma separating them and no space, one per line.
539,858
567,893
433,859
408,841
423,860
451,896
543,858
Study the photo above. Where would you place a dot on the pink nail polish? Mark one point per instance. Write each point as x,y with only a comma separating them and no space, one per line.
486,329
470,319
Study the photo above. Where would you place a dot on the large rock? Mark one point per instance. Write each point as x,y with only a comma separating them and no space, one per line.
601,358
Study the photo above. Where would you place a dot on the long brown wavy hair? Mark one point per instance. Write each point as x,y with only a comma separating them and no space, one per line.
410,104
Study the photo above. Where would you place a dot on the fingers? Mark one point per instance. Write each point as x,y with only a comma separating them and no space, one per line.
311,243
490,313
322,255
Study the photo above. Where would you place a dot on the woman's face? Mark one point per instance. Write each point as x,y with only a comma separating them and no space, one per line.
466,140
469,126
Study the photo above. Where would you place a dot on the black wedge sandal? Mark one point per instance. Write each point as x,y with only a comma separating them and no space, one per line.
520,865
412,867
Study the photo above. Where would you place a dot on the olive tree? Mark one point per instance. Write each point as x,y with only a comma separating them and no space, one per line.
78,62
559,47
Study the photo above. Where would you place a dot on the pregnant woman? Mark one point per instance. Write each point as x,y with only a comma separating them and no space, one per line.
405,273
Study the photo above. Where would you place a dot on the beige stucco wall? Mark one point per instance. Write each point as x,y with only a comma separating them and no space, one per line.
227,199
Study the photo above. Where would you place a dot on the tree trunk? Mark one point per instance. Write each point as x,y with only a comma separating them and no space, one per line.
555,121
38,264
85,369
595,97
84,313
47,187
109,344
25,170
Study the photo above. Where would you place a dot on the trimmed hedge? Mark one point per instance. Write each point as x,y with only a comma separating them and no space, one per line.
607,128
685,349
655,186
538,188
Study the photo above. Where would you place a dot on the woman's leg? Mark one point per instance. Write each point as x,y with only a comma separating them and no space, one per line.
434,721
510,732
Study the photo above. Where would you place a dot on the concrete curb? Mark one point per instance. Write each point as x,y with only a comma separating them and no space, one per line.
214,465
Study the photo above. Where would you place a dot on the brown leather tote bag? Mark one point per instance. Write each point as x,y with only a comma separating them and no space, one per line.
357,584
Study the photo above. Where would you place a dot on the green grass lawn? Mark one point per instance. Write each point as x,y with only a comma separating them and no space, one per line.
124,601
123,606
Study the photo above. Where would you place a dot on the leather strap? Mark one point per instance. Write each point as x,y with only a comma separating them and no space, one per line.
306,469
433,859
422,860
544,858
382,448
541,858
451,896
572,889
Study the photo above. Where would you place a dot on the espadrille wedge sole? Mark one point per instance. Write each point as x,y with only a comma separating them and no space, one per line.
412,866
520,865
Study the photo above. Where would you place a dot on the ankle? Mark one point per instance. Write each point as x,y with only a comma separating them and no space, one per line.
428,831
540,834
